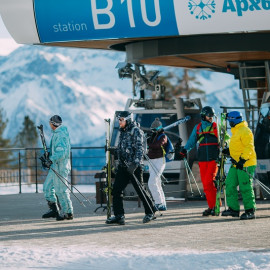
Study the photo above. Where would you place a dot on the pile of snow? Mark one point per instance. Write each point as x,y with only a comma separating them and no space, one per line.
91,257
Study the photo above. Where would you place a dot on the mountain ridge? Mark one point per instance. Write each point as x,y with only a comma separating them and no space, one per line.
82,86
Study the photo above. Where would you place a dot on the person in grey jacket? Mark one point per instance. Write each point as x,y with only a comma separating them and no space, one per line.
130,154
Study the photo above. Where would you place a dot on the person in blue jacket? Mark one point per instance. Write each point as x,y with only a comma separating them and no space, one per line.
56,190
206,134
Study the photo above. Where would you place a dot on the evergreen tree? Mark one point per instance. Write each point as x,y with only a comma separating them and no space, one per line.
5,156
183,86
28,136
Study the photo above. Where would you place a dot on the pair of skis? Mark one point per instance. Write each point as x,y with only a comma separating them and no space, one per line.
220,177
108,167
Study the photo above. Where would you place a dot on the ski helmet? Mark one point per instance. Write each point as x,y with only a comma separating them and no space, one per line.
234,118
56,120
156,125
124,114
207,111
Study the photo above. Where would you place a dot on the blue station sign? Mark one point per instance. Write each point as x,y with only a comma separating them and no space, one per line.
76,20
63,20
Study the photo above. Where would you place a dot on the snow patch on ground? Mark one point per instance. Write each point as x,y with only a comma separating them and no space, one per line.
90,257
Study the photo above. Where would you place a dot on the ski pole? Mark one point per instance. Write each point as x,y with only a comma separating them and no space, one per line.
60,176
155,169
266,188
191,190
187,166
144,192
262,185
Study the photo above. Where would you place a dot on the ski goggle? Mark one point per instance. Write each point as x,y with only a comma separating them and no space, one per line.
157,128
55,124
120,118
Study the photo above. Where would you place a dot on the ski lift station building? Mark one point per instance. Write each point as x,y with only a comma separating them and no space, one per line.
230,36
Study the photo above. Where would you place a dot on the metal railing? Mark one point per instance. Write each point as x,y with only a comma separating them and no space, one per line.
21,166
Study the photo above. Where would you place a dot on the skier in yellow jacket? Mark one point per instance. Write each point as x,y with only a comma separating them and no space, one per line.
244,161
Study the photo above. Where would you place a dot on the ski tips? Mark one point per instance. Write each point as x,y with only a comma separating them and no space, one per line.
82,204
86,200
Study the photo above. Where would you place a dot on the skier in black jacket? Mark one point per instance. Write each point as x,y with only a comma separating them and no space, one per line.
130,153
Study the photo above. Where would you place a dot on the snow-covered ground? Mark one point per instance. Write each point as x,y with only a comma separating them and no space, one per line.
76,256
13,188
89,257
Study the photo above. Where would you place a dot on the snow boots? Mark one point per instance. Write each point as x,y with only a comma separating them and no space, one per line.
118,219
230,212
209,212
249,214
161,207
68,216
53,210
148,217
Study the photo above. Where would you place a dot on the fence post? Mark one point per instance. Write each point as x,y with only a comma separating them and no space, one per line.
71,172
36,171
20,175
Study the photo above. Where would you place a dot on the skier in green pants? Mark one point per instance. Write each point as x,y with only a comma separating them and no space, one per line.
242,152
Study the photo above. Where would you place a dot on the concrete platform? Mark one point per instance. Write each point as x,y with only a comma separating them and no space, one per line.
181,227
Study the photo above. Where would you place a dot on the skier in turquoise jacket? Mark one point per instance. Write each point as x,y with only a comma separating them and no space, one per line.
56,189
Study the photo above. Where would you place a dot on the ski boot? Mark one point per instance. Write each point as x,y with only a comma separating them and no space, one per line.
67,216
118,219
148,217
230,212
249,214
161,207
53,211
209,212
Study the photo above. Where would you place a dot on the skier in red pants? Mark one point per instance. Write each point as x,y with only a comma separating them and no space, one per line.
206,134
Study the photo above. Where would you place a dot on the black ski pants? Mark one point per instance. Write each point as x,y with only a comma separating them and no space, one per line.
122,179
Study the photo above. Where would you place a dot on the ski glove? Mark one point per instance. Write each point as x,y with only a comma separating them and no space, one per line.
113,150
240,164
226,151
183,154
46,163
132,167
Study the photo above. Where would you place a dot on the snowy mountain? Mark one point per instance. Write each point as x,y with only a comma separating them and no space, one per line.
83,87
229,96
80,85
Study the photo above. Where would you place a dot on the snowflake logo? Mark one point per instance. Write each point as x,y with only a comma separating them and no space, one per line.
202,8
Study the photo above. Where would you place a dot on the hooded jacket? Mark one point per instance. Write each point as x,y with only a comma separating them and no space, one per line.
60,149
156,144
242,144
130,146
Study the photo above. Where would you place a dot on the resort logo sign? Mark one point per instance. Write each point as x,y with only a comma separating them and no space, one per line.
202,9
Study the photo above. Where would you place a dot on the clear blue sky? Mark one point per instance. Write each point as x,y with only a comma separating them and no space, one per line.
3,31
